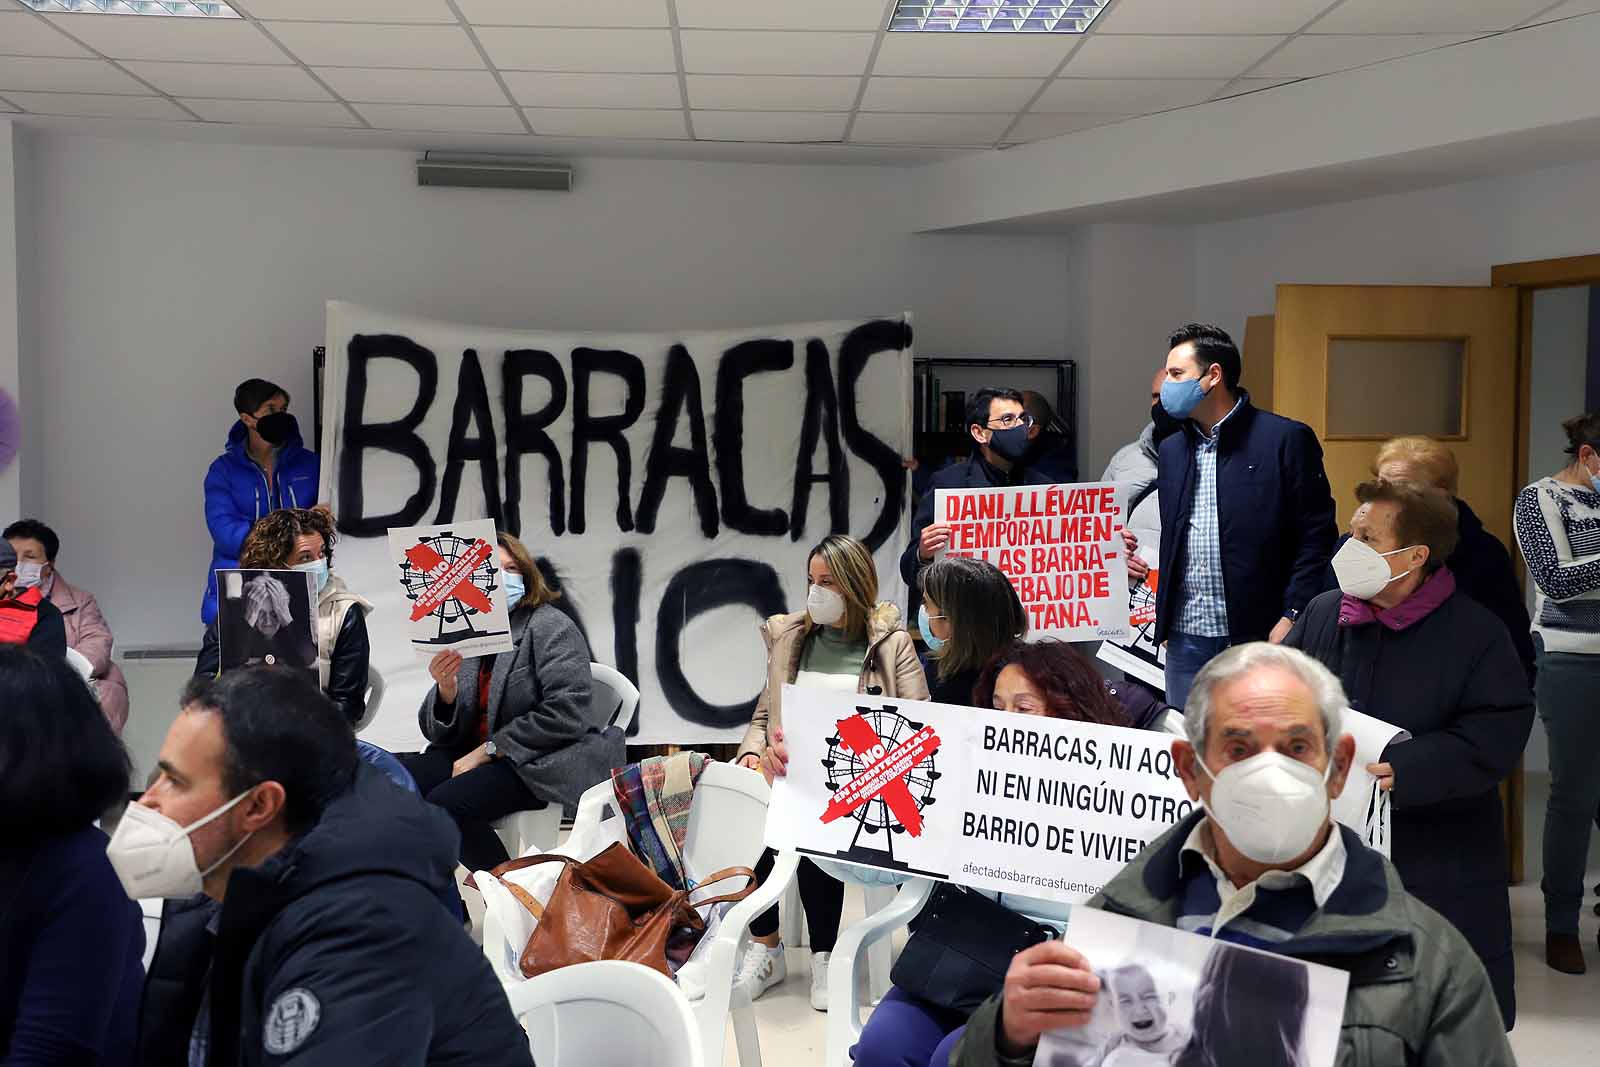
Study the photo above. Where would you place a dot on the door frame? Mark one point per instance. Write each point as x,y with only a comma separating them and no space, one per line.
1528,277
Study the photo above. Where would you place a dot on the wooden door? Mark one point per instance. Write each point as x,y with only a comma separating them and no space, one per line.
1360,364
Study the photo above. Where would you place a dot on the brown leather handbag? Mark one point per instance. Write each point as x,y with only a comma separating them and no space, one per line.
613,907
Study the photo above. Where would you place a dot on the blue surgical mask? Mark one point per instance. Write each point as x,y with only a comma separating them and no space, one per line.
1181,398
516,589
934,643
318,567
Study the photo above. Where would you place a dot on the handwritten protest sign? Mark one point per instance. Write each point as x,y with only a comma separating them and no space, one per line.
1061,546
1017,803
452,582
1167,996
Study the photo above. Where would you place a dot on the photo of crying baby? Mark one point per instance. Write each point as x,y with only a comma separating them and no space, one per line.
1175,999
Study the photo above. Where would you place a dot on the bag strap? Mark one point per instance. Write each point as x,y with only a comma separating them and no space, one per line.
518,864
525,898
723,875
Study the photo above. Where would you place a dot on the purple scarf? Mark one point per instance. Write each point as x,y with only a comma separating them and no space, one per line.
1410,611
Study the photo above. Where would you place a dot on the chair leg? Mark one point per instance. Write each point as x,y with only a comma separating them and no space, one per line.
880,953
745,1037
792,917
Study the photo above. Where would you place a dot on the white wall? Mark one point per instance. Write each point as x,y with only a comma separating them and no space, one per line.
1446,236
167,271
10,320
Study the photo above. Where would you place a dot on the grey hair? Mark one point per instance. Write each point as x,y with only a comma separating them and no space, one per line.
1235,662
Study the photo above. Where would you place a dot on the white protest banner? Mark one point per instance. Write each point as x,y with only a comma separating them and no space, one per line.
1061,546
1139,656
1363,806
1169,996
669,484
1022,804
450,577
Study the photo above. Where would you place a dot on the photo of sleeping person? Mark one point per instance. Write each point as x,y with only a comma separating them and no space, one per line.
1174,999
266,617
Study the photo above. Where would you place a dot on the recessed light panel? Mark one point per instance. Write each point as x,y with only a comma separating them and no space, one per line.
994,16
180,8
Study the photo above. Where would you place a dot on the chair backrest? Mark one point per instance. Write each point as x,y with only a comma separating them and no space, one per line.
374,697
607,1012
727,820
80,663
614,700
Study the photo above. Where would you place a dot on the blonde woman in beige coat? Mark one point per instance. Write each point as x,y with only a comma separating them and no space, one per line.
846,639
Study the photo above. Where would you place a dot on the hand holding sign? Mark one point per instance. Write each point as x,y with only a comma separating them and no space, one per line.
1048,987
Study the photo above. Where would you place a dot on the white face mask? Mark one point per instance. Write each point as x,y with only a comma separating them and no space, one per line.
1269,805
29,575
824,606
153,856
1361,571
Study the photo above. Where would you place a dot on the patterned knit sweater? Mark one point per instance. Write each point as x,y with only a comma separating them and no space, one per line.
1558,529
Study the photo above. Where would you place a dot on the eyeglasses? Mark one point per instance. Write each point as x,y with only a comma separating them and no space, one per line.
1008,422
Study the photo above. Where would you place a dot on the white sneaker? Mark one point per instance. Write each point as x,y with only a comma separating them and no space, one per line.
761,969
819,980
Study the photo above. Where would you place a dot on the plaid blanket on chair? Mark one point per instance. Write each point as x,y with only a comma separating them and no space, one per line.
654,796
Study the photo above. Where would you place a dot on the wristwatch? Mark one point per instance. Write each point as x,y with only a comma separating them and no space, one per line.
490,749
1292,614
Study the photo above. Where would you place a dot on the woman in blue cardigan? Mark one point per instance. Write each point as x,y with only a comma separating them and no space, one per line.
71,939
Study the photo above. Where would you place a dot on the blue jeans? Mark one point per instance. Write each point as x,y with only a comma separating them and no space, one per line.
1564,693
1186,654
903,1031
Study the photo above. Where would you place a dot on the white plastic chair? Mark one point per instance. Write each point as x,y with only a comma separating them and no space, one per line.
80,663
613,701
374,698
880,958
844,987
608,1012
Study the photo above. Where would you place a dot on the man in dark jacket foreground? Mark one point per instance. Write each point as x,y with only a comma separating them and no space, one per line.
329,945
1261,715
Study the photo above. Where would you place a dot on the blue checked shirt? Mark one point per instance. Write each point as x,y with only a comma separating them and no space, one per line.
1203,607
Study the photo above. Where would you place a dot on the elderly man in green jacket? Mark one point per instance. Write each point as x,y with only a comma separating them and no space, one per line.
1264,865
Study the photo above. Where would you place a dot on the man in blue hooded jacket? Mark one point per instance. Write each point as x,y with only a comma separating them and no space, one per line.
266,466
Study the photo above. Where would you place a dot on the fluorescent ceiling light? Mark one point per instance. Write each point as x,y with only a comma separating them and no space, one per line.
994,16
134,7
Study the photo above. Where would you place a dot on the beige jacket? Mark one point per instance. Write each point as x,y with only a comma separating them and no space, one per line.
890,667
333,604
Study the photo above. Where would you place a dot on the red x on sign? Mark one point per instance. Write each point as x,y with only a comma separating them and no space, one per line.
885,774
450,581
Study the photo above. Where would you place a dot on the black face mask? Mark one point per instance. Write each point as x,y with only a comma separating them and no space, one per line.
1011,444
276,428
1165,424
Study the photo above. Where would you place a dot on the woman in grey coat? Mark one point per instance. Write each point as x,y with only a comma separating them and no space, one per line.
511,732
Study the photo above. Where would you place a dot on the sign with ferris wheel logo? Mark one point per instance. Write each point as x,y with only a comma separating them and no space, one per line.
451,577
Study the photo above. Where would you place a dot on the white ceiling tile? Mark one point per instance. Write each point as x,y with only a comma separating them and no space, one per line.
1209,16
1125,95
323,44
272,112
1310,55
967,54
767,15
199,40
22,34
881,128
1167,56
755,52
115,107
462,119
1039,127
1250,85
949,94
641,51
65,76
7,108
597,122
1570,9
350,10
1427,16
372,85
772,92
229,82
546,89
639,13
769,126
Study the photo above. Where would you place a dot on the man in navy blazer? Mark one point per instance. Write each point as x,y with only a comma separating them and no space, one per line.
1247,519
